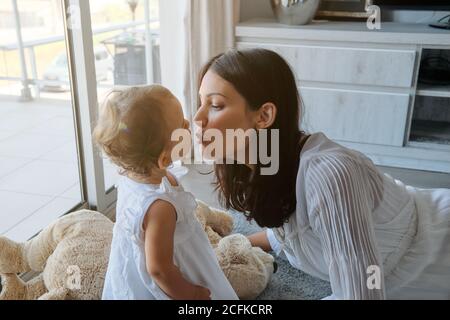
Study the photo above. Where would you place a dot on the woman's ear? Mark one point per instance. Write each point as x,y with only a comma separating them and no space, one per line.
266,115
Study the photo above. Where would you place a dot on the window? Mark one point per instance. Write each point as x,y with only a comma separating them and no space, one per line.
39,165
48,164
124,29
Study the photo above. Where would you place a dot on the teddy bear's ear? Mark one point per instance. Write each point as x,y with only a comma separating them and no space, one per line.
221,221
202,204
200,217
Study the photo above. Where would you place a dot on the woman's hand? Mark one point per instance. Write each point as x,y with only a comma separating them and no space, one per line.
260,239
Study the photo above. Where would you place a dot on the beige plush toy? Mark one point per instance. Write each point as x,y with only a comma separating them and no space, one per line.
72,257
71,254
248,268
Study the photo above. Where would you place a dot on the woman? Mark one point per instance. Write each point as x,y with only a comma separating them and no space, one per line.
328,208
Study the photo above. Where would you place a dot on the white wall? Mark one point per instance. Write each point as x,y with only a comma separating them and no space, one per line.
261,9
255,9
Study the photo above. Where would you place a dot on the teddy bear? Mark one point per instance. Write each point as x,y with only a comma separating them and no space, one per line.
72,257
248,269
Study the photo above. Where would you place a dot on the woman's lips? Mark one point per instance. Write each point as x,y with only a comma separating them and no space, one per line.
199,136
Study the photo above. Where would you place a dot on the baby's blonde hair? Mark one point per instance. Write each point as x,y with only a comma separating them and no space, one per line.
131,129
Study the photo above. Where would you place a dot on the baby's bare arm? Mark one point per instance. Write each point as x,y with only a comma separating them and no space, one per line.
159,225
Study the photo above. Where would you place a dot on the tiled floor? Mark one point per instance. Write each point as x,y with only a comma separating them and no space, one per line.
39,178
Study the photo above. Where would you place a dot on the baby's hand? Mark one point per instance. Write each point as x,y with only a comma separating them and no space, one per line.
202,293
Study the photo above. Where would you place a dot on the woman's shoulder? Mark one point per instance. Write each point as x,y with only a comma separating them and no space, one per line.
320,151
327,165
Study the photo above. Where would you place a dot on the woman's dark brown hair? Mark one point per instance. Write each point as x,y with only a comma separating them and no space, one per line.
262,76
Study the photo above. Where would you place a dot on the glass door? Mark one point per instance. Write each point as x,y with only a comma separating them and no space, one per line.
110,43
57,60
125,38
40,176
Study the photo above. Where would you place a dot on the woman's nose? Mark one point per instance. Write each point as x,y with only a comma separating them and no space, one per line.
201,118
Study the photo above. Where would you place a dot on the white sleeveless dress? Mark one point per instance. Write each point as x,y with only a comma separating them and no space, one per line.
351,217
127,277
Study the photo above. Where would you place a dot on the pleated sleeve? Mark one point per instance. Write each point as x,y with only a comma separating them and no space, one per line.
340,213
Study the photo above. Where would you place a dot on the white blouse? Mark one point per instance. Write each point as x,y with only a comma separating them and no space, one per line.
368,234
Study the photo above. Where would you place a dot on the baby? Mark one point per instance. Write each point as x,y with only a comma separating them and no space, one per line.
159,250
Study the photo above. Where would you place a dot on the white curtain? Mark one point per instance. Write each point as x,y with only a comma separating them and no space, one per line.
192,32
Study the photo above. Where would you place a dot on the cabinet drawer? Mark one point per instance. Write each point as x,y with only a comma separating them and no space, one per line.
356,116
382,67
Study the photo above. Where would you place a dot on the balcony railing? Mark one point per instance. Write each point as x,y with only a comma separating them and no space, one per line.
32,44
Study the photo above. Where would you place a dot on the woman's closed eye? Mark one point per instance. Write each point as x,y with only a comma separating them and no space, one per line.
216,107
